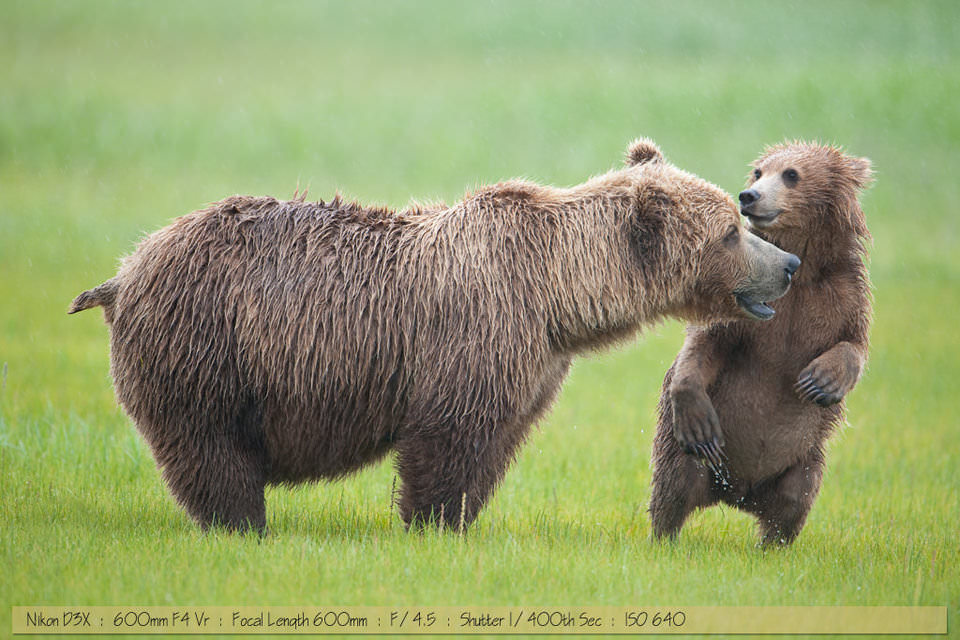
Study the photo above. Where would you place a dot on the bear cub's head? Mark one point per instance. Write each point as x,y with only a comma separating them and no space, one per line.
797,189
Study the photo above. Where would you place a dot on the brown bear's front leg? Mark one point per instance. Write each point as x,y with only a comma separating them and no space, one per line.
448,476
830,376
781,505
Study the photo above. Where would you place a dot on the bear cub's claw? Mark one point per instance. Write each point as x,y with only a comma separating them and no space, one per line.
697,427
814,386
830,376
712,457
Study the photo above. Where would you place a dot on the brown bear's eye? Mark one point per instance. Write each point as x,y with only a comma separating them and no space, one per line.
733,235
757,173
791,177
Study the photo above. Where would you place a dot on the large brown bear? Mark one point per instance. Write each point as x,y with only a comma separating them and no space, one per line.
258,341
746,407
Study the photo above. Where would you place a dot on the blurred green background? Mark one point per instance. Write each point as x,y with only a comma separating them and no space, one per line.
117,117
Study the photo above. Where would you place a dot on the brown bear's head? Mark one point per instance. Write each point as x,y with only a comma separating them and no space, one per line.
721,270
800,190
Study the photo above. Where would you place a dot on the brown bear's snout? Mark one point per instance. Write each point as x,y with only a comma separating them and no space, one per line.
768,278
793,263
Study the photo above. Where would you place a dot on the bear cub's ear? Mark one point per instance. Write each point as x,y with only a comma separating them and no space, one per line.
861,169
643,150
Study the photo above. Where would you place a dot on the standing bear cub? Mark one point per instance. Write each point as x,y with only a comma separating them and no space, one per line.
258,342
746,408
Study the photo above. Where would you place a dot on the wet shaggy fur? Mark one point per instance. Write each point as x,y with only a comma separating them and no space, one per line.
770,394
258,342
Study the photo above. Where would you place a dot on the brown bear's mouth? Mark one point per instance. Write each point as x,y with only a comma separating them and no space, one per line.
755,309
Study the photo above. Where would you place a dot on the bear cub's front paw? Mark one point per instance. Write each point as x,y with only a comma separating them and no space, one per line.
824,382
696,425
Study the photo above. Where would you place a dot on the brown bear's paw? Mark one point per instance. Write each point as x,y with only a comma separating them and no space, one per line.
696,426
828,378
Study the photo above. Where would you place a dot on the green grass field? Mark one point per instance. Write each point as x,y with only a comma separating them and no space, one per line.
117,117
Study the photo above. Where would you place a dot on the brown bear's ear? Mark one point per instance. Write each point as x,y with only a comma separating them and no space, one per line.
861,170
643,150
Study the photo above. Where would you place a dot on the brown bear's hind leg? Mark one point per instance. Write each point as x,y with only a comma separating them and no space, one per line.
217,472
681,484
782,504
220,488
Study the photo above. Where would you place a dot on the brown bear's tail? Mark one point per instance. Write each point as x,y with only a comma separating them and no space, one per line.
102,296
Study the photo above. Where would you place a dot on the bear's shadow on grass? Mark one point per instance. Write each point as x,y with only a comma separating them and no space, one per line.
362,524
150,514
150,520
333,522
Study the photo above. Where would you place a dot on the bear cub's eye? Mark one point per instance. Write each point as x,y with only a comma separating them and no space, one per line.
757,173
791,177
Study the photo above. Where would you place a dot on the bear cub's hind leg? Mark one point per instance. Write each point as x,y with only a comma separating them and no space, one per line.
782,504
681,484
